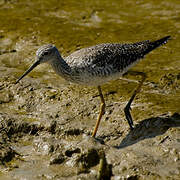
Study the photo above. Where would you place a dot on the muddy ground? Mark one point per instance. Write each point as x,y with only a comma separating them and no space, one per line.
46,122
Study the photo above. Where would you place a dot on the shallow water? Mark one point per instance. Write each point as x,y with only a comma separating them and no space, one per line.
43,98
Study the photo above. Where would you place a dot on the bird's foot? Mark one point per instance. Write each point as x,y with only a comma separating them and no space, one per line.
128,116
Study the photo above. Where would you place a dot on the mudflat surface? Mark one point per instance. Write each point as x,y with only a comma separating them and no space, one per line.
46,122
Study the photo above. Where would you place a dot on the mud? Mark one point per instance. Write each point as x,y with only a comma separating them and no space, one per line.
46,122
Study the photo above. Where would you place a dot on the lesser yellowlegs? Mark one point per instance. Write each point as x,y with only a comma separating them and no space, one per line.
96,65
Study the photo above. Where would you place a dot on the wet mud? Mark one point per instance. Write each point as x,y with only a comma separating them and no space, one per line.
46,122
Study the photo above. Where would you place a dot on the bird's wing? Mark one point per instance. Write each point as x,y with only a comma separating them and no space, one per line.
110,54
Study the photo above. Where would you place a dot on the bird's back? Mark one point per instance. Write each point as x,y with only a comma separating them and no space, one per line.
103,55
109,60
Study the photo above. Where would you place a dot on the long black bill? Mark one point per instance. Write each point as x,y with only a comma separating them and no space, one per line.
29,70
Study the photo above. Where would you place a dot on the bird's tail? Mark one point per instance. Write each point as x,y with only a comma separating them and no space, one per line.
157,43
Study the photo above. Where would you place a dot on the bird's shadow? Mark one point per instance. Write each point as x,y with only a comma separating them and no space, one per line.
150,128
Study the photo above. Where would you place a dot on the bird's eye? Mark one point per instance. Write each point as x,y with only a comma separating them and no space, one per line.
46,53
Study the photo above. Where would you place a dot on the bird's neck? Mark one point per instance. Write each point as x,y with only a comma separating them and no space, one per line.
61,67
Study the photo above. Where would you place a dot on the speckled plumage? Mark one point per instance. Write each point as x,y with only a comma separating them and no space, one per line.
97,65
104,62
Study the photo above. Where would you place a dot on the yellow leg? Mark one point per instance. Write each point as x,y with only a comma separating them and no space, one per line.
137,90
101,113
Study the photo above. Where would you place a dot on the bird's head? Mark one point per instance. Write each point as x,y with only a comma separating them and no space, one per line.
44,54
